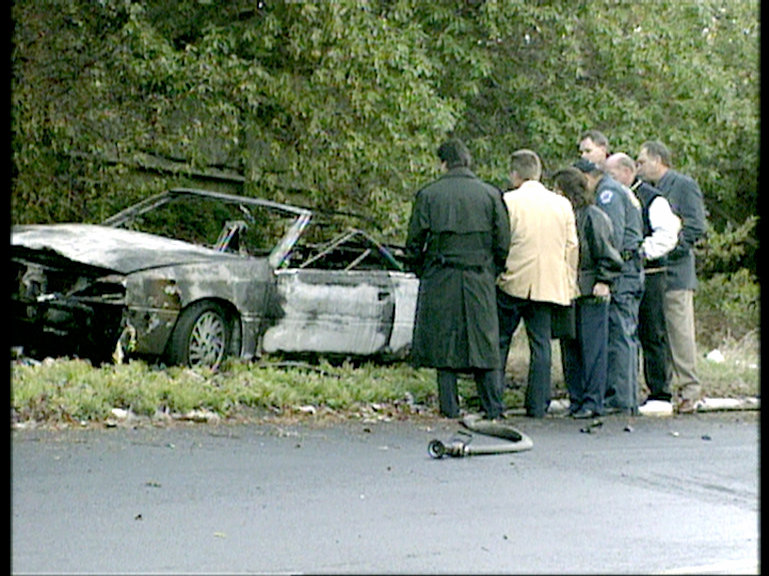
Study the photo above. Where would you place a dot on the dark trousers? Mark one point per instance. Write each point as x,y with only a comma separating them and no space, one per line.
584,358
624,346
536,318
658,372
489,387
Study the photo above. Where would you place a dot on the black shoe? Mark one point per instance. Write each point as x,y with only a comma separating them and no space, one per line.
584,414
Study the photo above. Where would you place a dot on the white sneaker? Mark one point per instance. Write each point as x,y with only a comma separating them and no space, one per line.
656,408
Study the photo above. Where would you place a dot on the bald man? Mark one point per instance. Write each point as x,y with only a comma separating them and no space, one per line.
660,235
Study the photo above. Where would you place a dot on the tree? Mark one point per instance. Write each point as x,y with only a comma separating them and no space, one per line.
341,105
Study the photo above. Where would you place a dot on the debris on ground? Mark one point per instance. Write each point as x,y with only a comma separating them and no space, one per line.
594,425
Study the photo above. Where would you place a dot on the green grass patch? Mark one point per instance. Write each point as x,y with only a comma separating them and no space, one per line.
71,390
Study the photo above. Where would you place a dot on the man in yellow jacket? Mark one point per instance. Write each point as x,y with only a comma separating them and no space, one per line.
540,271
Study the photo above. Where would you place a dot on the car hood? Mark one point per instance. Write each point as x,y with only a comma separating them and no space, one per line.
123,251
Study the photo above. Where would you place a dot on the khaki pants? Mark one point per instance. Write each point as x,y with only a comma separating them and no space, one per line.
679,319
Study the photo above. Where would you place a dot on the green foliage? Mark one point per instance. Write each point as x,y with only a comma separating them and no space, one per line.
738,376
74,391
293,96
68,391
728,250
341,105
726,306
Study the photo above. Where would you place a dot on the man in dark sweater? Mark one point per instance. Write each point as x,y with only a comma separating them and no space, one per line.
685,198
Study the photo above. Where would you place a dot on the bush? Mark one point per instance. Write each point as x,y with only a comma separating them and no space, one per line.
726,307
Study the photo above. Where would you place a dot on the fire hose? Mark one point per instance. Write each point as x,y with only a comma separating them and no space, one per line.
459,445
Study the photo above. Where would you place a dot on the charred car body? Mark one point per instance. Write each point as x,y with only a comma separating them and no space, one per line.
193,276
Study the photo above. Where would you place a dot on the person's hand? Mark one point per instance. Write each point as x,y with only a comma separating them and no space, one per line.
601,290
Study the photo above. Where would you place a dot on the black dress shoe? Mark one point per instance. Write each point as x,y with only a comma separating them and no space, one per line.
584,414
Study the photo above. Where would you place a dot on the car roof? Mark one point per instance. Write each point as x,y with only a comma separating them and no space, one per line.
163,197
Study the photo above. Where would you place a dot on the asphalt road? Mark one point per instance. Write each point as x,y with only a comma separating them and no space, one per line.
671,496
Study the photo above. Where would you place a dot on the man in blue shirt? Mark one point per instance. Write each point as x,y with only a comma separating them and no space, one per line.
624,211
661,229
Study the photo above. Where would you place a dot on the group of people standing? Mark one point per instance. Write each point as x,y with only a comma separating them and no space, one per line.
609,248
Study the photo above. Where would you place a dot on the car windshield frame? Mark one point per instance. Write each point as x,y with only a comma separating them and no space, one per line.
278,254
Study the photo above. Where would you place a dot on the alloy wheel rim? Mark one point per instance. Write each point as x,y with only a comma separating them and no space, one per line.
207,340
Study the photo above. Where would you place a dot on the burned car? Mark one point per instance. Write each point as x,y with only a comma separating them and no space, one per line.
189,277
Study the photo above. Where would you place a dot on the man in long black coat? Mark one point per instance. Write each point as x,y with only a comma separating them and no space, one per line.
458,239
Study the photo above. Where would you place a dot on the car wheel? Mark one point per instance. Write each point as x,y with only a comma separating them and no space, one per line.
201,337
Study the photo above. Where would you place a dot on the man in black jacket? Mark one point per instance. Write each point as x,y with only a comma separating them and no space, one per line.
685,197
458,240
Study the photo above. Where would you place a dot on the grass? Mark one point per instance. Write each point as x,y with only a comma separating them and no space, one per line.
736,377
71,391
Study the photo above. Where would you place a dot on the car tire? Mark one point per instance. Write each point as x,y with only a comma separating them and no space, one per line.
202,336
